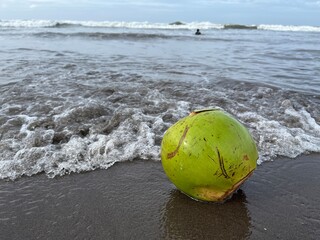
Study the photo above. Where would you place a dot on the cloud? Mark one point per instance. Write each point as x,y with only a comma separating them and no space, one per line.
142,3
161,10
158,3
269,2
95,2
42,1
126,3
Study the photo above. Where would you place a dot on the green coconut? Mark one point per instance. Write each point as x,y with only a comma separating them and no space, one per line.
208,155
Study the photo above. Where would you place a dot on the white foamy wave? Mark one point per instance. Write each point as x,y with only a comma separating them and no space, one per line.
129,135
107,24
137,136
276,138
27,23
134,138
291,28
149,25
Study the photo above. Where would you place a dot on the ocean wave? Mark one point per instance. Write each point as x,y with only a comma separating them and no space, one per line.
239,26
64,25
107,24
103,36
148,25
131,36
291,28
83,126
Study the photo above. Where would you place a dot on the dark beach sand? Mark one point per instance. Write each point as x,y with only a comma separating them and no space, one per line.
134,200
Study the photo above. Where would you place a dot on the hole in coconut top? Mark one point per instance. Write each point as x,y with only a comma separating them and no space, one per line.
204,110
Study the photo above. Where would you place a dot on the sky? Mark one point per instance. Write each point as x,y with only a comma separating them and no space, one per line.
284,12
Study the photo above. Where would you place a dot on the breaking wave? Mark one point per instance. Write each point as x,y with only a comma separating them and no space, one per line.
148,25
83,127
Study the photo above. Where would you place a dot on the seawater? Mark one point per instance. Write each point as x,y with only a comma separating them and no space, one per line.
77,96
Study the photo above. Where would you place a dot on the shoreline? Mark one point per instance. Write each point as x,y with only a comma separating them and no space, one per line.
135,200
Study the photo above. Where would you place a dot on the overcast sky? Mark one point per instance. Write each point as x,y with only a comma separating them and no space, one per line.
285,12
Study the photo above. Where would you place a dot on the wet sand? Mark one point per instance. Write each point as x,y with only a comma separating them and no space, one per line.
134,200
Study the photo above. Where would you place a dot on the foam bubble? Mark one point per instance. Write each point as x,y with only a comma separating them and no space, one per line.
276,138
133,137
291,28
145,25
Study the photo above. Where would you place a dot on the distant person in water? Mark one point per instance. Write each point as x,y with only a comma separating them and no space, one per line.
198,32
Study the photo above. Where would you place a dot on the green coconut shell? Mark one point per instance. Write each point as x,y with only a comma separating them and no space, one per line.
208,155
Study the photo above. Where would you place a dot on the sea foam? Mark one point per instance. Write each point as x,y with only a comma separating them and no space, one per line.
150,25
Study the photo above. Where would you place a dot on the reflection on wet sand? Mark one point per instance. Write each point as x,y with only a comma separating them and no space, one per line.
135,200
184,218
